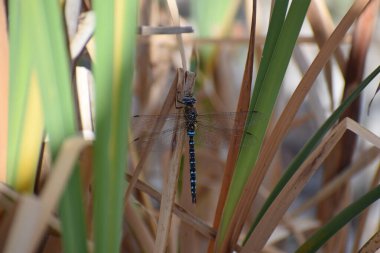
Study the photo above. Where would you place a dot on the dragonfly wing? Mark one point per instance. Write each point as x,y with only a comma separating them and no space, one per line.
216,130
157,141
145,123
213,129
215,137
226,119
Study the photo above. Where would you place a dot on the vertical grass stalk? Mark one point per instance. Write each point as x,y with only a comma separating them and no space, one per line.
263,99
40,68
115,45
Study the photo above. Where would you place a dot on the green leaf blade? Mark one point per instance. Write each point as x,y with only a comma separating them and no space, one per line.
115,46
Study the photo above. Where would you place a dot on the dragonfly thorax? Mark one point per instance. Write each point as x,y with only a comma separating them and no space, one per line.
190,114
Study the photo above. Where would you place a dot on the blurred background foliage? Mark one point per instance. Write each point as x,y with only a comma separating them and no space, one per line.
72,73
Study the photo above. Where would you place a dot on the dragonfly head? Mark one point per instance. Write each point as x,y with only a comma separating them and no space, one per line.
188,100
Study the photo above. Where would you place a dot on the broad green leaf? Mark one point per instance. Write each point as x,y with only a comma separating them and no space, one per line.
39,56
115,46
271,73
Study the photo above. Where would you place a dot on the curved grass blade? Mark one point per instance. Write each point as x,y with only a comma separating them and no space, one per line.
310,145
331,228
298,181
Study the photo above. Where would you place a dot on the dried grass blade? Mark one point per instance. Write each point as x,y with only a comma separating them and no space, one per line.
294,186
372,245
62,170
86,28
173,8
323,25
20,237
334,225
34,214
168,104
15,196
310,146
320,112
72,12
367,158
342,154
179,211
148,30
140,229
8,209
362,36
300,225
168,198
271,145
170,184
364,216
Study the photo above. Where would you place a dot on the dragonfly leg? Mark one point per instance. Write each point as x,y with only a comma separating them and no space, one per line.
178,102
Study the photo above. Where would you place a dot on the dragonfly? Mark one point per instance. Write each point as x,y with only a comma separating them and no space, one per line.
212,130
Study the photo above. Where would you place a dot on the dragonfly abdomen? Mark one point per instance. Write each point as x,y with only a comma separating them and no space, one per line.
191,114
193,173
